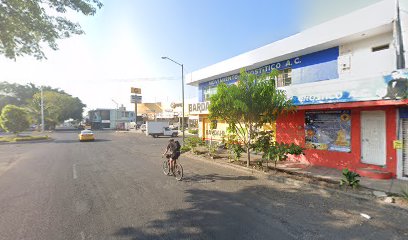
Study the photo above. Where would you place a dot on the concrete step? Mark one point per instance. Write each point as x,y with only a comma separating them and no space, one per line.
374,173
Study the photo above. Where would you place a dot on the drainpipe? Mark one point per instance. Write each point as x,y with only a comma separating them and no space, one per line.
399,40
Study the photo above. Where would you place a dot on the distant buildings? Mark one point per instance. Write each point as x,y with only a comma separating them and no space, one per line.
101,118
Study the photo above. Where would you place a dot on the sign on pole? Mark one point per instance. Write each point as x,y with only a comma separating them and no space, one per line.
135,99
135,90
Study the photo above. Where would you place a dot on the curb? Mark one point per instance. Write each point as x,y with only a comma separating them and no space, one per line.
367,195
28,142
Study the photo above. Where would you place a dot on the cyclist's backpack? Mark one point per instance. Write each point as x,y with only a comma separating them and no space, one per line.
178,146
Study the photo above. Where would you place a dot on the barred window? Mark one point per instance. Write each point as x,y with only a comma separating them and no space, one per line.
284,78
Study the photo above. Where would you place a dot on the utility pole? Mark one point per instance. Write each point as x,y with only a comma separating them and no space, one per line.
42,110
116,113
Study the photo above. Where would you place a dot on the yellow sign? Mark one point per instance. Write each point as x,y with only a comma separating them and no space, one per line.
136,90
397,144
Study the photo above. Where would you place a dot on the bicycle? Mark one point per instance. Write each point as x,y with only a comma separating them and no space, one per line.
178,169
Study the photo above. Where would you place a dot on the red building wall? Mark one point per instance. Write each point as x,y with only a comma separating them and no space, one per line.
290,129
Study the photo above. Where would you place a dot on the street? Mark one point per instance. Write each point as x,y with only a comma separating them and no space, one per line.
114,188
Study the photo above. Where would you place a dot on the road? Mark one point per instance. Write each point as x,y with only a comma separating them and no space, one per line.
113,188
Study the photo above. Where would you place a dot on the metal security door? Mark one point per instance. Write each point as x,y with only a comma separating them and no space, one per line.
405,147
373,137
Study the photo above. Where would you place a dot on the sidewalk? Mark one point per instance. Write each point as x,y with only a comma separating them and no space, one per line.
393,186
324,174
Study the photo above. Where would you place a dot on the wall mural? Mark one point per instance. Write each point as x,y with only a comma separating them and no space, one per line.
328,130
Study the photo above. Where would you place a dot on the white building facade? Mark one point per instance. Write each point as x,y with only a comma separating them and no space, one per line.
348,79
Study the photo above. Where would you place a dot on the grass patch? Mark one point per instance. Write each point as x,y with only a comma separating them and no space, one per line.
22,138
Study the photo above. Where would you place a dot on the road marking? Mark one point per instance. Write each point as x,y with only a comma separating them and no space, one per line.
74,173
83,235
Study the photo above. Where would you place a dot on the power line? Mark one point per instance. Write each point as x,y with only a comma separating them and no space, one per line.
144,79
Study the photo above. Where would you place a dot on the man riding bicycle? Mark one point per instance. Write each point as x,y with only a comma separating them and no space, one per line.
172,153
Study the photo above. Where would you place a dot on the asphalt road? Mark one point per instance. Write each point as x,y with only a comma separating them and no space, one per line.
114,188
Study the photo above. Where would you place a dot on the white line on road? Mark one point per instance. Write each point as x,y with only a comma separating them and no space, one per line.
74,173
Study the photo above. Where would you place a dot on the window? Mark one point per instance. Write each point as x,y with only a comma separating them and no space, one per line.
209,91
379,48
284,78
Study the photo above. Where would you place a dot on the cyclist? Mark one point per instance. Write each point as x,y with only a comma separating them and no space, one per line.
172,153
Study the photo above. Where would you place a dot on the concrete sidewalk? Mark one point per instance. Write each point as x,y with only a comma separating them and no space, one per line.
330,175
394,186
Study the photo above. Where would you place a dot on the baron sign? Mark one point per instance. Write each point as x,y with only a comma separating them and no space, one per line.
198,108
135,90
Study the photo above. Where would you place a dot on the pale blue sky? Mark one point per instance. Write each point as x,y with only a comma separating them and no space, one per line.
126,39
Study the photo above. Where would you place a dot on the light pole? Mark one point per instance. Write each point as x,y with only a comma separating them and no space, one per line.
116,113
182,91
42,110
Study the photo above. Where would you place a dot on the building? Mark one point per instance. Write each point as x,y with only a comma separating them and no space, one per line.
110,118
348,79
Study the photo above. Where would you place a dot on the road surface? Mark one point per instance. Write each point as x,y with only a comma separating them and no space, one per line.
114,188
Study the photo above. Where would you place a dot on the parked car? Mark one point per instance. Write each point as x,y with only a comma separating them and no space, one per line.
86,135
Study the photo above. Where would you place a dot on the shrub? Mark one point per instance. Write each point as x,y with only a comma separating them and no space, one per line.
194,142
404,194
212,149
273,150
350,178
193,131
185,148
14,119
236,150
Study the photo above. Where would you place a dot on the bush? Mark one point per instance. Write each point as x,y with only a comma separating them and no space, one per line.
194,142
185,148
212,149
404,194
193,131
274,150
236,151
14,119
350,178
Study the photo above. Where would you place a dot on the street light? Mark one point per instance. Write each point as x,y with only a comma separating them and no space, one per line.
116,113
182,90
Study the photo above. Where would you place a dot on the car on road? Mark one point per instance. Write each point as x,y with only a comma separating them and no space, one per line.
86,135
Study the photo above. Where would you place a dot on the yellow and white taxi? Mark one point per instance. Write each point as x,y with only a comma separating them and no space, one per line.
86,135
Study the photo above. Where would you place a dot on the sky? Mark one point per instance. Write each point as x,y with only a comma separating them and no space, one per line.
124,42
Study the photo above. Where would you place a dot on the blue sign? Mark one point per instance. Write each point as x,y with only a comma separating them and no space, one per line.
317,66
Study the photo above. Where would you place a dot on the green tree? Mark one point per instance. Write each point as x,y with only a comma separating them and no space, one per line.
20,95
14,119
248,105
57,107
27,24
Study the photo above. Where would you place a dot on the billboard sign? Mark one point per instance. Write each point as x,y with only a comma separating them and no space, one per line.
135,99
135,90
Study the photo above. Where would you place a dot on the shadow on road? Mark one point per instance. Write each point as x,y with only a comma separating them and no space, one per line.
261,212
214,177
77,141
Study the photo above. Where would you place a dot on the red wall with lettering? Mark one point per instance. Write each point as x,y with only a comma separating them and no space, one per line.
290,129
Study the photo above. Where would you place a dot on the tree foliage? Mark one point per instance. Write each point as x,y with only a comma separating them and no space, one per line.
57,107
14,119
27,24
248,105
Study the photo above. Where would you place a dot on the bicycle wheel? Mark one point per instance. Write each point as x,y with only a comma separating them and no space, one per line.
166,167
178,171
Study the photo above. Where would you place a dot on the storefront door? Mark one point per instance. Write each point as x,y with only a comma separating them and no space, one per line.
373,137
405,147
